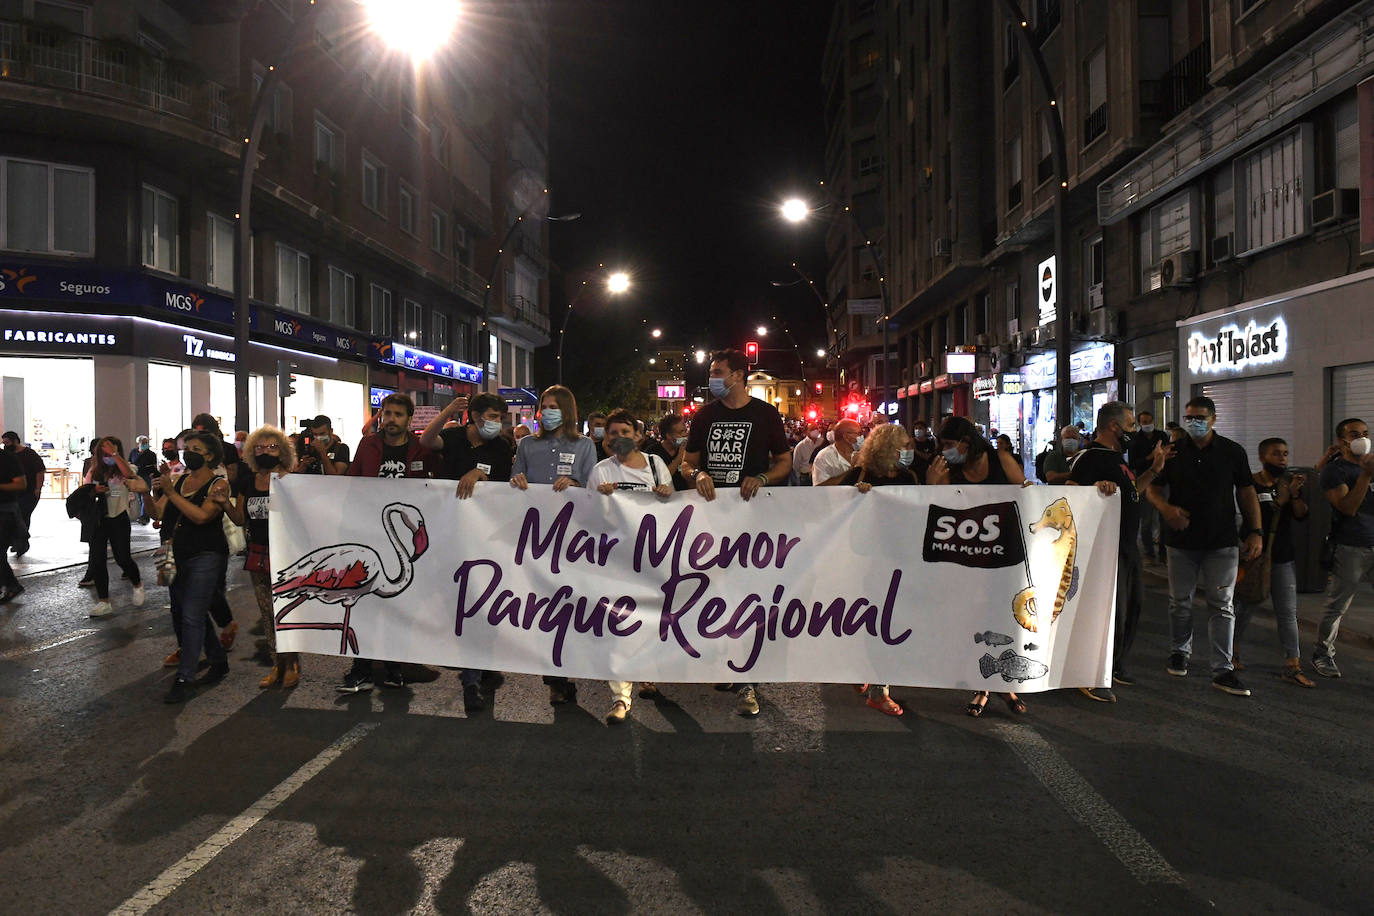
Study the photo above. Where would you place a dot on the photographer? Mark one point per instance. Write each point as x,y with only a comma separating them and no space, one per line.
319,450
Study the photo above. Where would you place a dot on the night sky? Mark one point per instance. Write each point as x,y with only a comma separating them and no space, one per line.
676,129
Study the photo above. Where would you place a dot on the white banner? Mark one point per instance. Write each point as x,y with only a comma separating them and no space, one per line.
983,587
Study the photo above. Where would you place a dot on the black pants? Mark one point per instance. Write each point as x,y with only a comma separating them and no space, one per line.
9,528
115,532
1130,594
28,501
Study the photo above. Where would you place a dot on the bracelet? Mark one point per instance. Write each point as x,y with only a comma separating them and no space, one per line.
763,479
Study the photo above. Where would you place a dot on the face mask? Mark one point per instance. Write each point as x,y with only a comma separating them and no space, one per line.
109,462
1274,470
489,429
194,461
143,447
905,457
11,447
267,461
814,435
599,433
1070,446
953,455
681,440
718,388
858,443
1147,427
1124,437
621,446
170,454
1195,427
1359,447
552,418
922,434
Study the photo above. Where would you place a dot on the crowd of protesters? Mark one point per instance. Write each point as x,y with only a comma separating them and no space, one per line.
1181,485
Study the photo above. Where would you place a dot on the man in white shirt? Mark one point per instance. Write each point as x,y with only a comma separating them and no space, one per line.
804,451
834,461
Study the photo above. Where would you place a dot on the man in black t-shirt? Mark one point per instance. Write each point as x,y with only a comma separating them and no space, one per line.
1138,455
13,482
319,451
476,451
736,441
31,463
1103,464
1206,478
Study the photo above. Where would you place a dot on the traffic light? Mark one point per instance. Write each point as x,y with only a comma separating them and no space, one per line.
286,379
751,351
812,413
819,388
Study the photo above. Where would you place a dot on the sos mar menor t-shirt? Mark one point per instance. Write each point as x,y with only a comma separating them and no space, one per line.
735,443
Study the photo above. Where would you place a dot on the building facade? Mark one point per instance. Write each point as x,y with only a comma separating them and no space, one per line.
381,195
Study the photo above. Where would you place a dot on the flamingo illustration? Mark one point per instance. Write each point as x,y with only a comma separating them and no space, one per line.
344,573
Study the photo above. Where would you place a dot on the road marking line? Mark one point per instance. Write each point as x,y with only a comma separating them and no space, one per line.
161,887
43,647
1088,807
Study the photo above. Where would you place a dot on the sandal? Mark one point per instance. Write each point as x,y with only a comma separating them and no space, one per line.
1014,704
886,705
977,704
861,688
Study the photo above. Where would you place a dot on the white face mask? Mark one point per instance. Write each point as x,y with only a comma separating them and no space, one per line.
1359,447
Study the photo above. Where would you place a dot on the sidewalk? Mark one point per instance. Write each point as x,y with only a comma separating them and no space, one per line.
55,541
1356,627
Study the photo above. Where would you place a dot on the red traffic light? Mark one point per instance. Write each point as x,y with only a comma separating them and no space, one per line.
819,388
751,350
812,413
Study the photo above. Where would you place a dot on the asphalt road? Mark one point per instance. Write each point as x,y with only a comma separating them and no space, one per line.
244,801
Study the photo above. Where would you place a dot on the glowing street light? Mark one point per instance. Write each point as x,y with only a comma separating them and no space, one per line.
794,210
700,356
618,282
656,332
416,27
820,352
761,331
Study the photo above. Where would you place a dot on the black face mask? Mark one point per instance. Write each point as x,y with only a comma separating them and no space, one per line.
170,454
11,446
267,461
194,461
1273,470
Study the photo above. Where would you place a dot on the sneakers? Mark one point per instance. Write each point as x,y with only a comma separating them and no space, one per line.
1326,666
9,594
394,677
617,714
138,597
562,693
1292,673
214,675
180,692
1178,665
102,609
172,660
1227,682
86,582
473,701
1098,694
355,682
1121,678
748,704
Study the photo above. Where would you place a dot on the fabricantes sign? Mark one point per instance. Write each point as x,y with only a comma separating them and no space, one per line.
58,333
794,585
1233,348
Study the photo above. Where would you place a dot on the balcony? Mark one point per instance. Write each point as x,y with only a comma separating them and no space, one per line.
520,314
469,284
1014,196
46,56
1095,124
1044,170
1180,86
1046,20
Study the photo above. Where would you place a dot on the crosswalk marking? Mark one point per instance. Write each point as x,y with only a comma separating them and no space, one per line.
21,651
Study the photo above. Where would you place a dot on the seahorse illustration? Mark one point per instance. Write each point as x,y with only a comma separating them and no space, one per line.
1059,517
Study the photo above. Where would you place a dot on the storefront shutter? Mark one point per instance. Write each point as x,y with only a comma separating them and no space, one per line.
1253,409
1352,394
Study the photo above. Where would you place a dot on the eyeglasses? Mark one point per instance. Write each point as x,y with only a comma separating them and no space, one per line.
259,449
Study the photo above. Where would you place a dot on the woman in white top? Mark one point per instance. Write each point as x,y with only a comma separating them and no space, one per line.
116,481
628,469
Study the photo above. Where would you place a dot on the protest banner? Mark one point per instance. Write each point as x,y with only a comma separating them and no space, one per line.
982,587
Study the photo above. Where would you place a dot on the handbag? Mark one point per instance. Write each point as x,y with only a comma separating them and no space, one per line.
1253,576
258,560
233,535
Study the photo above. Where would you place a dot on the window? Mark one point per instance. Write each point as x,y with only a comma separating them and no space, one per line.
1272,185
383,322
1044,167
438,143
1013,304
219,270
438,229
406,198
278,120
412,327
374,185
68,16
1014,173
440,342
293,279
1095,88
1094,271
961,324
982,313
343,303
47,208
460,341
327,156
1168,228
1011,55
507,364
159,229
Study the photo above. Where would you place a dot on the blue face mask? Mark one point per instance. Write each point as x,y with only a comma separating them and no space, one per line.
109,462
953,455
905,457
1196,427
718,388
599,433
489,429
858,443
552,418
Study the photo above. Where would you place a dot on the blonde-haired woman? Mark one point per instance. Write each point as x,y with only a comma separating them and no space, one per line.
268,452
884,460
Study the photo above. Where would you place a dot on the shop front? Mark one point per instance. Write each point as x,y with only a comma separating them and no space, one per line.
1312,346
1092,371
521,403
430,380
998,406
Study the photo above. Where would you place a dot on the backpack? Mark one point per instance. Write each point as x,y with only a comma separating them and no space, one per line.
1040,464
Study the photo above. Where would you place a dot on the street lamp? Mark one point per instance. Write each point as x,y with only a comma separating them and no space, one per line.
416,27
656,333
761,331
795,210
831,326
616,284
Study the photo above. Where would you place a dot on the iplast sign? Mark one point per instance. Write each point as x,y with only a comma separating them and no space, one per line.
1234,348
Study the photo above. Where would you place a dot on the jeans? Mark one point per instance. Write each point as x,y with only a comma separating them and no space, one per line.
1352,564
1149,528
1130,595
198,576
1217,571
115,531
1283,590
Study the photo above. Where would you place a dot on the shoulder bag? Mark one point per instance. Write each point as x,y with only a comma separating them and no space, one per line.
1253,576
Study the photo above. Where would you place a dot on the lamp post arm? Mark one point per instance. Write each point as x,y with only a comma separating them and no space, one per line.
563,331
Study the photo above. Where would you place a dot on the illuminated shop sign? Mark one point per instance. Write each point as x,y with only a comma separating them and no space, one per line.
1234,349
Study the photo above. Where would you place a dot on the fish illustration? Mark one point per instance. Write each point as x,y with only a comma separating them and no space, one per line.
1012,667
992,639
1030,647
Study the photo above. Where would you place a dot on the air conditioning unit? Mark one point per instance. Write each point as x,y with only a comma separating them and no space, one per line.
1176,269
1014,342
944,247
1013,327
1335,205
1095,296
1036,337
1223,247
925,369
1102,323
